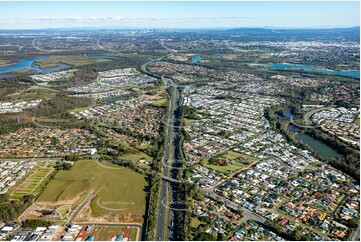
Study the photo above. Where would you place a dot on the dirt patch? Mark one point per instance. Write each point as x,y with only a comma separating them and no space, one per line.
45,212
179,58
85,216
230,57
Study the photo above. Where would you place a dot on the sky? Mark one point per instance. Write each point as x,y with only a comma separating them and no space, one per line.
38,15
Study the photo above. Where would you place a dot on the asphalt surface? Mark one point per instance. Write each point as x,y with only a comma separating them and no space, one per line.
355,236
163,222
79,208
248,214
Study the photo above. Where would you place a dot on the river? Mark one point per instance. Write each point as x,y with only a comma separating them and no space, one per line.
31,66
105,57
23,64
349,73
196,58
319,147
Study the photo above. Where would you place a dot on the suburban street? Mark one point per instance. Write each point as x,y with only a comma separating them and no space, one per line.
233,121
79,208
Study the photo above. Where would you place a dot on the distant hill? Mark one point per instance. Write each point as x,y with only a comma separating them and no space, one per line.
346,34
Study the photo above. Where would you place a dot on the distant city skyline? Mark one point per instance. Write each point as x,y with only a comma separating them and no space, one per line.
186,15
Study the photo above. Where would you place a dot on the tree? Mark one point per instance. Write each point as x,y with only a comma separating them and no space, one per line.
72,157
297,235
203,236
228,227
121,148
36,223
67,166
275,227
353,223
221,237
54,140
4,197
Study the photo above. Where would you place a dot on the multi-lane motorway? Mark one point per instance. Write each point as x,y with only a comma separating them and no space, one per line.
165,223
165,215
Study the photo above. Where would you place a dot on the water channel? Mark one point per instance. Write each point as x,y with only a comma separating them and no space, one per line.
319,147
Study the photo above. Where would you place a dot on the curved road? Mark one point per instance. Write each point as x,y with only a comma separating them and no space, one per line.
79,208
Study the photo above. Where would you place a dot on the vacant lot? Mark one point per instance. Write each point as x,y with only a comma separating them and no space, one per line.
105,233
160,103
136,154
63,210
236,160
135,157
227,168
231,155
120,191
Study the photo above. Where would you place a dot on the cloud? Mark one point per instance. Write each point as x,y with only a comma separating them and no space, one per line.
109,19
68,19
120,21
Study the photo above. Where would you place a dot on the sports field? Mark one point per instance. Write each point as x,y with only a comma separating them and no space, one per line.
119,191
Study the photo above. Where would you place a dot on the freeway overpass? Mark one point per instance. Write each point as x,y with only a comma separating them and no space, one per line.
167,178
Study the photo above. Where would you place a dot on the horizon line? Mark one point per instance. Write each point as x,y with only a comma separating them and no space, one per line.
180,28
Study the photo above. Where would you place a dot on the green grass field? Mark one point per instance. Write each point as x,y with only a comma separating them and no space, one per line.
225,169
233,157
73,60
160,103
195,222
31,95
187,121
6,62
136,157
63,210
357,121
144,147
136,154
120,191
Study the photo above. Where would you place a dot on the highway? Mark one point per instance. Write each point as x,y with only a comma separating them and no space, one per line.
166,187
165,216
